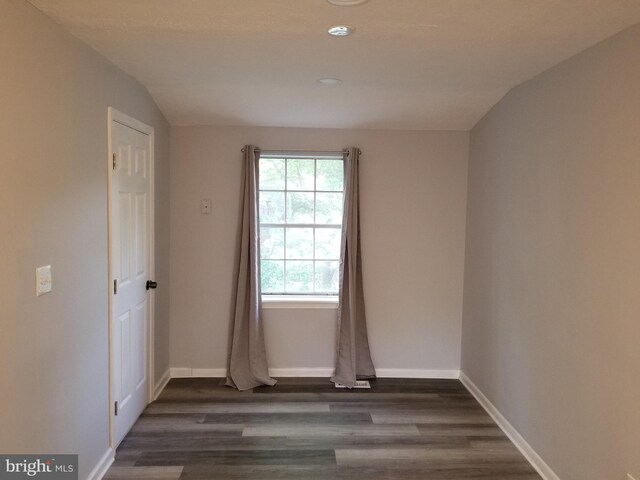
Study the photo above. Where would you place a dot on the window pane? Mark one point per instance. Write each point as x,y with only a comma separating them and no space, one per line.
271,173
272,276
328,243
300,243
327,277
299,277
299,207
271,207
329,175
300,173
272,243
329,208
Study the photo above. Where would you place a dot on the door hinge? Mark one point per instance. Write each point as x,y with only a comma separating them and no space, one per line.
115,409
114,161
115,287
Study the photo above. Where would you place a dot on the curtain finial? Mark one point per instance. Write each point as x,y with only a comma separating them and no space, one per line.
346,150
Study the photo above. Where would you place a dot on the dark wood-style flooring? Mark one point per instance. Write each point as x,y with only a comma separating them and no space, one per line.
306,429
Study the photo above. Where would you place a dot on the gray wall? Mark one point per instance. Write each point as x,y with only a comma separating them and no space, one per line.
54,93
552,272
413,194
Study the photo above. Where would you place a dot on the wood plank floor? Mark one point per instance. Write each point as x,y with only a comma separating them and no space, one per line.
306,429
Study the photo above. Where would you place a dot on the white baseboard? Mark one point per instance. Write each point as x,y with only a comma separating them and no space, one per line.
518,440
198,372
180,372
160,384
209,372
274,372
318,372
103,465
301,372
416,373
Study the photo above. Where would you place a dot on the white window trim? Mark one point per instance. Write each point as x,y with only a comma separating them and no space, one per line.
299,302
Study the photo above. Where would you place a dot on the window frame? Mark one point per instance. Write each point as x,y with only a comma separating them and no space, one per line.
299,299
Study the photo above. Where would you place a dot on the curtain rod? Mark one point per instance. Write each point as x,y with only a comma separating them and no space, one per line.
301,152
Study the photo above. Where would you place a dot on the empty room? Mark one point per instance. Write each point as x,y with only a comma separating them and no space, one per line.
320,239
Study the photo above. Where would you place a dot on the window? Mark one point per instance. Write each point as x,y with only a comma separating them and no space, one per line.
300,218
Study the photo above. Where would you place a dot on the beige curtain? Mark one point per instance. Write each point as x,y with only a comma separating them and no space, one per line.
247,365
353,358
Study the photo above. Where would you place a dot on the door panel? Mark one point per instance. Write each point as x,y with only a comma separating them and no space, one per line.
124,225
141,236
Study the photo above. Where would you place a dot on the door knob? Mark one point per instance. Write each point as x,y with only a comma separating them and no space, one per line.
151,284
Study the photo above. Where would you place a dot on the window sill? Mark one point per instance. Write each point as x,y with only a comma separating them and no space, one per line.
300,302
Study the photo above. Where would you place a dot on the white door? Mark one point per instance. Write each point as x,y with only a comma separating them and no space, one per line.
131,268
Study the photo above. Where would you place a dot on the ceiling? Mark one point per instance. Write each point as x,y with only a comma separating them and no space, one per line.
411,64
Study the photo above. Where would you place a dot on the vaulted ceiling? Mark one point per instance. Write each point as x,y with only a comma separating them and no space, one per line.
411,64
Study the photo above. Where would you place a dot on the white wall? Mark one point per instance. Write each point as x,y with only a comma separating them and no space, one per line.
413,194
552,274
54,93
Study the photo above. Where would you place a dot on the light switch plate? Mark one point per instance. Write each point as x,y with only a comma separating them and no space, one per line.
43,280
205,206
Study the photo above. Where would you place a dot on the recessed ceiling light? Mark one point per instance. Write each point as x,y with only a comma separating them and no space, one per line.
330,81
347,3
341,30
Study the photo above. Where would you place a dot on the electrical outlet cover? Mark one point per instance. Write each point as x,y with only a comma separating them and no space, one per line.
205,206
44,282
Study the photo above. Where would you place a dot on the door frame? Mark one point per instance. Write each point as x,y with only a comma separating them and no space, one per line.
117,116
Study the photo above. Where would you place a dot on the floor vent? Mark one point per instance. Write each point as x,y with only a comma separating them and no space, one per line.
359,384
